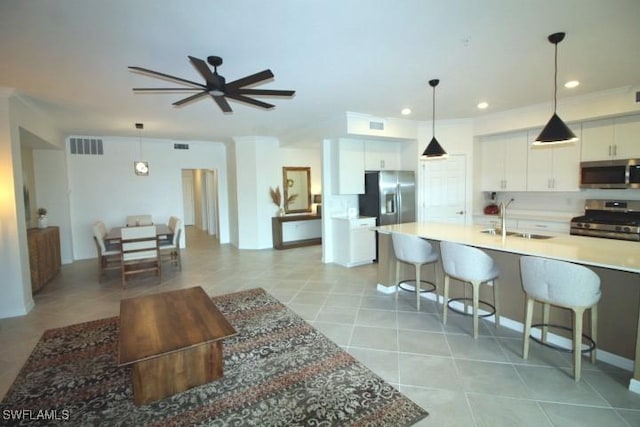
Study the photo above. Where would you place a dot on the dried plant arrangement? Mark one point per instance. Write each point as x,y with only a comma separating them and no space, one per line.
276,196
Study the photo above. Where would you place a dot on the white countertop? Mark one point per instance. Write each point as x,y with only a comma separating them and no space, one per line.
608,253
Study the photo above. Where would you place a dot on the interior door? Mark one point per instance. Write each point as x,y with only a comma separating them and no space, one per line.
188,198
444,190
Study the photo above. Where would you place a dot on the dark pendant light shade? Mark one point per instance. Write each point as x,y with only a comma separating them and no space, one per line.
556,131
434,150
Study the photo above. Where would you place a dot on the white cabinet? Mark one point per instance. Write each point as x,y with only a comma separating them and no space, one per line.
504,162
348,167
354,241
382,155
554,167
611,138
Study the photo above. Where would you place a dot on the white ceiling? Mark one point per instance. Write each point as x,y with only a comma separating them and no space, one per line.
367,56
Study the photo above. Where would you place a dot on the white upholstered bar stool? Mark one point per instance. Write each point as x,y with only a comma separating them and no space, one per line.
562,284
417,252
469,265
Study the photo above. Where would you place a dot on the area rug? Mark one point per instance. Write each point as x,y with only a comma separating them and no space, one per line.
278,371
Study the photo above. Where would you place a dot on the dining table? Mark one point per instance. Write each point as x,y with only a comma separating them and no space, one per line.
114,236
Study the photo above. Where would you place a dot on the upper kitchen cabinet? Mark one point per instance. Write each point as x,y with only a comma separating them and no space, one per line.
504,162
348,172
382,155
553,168
608,139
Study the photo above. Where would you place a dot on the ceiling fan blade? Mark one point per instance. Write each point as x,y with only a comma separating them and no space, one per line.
176,89
190,98
265,92
203,69
166,76
222,103
248,100
249,80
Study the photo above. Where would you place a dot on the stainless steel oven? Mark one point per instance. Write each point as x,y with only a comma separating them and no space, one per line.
612,219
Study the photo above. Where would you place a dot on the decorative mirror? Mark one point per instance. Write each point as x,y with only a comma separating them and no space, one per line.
296,182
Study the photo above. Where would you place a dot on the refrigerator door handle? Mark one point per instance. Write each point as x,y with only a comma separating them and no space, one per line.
399,203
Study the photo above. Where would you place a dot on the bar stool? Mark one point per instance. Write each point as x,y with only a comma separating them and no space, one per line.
473,266
418,252
566,285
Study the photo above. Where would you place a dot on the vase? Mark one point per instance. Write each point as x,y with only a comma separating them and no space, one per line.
42,221
280,212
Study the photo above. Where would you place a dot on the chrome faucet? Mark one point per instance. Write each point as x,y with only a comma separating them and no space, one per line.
503,216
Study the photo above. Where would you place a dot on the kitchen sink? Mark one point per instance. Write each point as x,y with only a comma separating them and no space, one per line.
524,235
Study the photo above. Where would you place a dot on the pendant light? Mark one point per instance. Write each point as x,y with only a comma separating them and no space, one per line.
555,132
140,167
434,150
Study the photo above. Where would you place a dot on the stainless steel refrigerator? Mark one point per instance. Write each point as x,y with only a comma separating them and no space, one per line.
390,196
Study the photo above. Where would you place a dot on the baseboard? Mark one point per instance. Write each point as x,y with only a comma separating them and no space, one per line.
634,385
602,355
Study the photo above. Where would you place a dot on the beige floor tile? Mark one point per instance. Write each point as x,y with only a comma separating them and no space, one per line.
431,343
339,333
447,408
481,348
374,338
500,379
495,411
383,363
335,314
378,318
428,371
581,416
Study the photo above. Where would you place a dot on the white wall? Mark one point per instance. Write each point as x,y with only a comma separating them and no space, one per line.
106,188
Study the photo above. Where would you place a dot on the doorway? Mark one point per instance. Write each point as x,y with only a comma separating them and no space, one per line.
444,196
200,199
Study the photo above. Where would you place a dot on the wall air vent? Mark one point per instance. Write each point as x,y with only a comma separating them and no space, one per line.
376,125
181,146
90,146
638,97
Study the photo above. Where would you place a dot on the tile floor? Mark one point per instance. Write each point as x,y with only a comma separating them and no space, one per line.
459,380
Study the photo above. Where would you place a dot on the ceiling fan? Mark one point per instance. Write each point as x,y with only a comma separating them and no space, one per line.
216,86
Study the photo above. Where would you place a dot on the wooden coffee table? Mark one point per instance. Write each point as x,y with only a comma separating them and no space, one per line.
173,340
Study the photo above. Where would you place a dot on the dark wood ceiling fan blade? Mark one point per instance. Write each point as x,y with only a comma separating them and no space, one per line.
190,98
222,103
249,80
248,100
166,76
158,89
203,69
265,92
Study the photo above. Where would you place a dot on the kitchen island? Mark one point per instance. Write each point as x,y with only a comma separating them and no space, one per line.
617,263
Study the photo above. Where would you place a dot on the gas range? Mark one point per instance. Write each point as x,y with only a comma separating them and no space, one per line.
612,219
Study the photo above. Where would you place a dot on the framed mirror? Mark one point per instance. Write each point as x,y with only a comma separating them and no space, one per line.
296,182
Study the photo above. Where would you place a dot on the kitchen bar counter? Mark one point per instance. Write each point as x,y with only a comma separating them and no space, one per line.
615,254
617,262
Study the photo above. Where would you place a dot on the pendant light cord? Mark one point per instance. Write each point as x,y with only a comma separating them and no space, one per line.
433,117
555,80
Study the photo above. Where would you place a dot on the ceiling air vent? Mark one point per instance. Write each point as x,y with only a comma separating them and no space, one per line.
90,146
181,146
376,125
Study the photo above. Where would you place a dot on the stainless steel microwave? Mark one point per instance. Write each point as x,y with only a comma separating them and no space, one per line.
610,174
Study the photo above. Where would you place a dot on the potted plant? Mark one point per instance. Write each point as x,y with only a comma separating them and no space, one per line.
42,218
276,198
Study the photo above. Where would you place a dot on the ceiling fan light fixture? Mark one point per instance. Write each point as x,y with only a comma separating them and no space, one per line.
434,150
555,131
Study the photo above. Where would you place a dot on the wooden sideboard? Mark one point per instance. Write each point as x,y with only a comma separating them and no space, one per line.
277,223
44,255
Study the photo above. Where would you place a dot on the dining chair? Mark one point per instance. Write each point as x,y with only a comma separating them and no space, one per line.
171,251
140,252
108,256
139,220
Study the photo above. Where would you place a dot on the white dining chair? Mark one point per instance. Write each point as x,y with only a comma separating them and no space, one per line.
139,220
108,257
171,251
562,284
140,252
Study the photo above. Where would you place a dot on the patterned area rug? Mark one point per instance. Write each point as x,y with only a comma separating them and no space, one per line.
278,371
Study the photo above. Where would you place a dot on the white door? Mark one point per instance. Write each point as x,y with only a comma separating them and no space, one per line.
443,190
188,199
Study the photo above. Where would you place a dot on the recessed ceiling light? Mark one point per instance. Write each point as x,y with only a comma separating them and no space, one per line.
571,84
406,111
483,105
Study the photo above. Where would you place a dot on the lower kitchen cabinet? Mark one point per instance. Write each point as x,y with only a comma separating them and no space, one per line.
354,241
